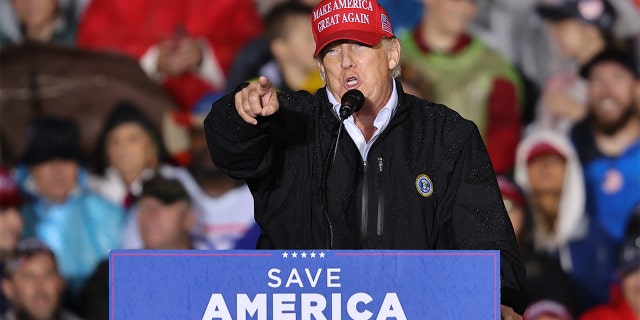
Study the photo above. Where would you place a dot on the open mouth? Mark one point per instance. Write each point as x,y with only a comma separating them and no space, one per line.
351,82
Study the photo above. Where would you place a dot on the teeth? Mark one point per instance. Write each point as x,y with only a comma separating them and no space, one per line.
352,82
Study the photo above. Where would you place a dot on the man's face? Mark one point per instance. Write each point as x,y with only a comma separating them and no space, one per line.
35,287
451,16
164,226
611,94
55,179
570,36
350,65
296,47
129,149
631,289
10,228
36,13
546,173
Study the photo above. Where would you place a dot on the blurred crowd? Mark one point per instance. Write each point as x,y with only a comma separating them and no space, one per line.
102,143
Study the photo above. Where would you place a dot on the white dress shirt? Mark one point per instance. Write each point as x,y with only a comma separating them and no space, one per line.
380,123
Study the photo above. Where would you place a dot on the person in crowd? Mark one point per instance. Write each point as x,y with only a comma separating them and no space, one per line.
608,140
52,21
33,284
401,159
223,205
288,31
517,31
467,76
165,217
580,29
625,297
129,152
78,225
545,279
257,53
516,205
547,310
11,224
188,46
549,171
513,29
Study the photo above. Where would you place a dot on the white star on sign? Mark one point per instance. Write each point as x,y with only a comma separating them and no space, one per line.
285,255
304,254
313,254
294,255
322,255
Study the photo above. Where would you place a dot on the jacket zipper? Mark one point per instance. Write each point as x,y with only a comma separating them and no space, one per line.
365,206
380,198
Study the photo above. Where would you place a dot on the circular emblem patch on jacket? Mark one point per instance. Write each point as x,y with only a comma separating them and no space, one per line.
424,185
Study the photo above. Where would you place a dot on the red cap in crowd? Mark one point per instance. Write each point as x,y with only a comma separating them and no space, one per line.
546,308
542,149
9,192
364,21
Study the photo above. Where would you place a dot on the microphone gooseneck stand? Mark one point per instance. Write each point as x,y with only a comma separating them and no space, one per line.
352,101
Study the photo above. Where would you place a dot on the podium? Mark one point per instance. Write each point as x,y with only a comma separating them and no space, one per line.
304,284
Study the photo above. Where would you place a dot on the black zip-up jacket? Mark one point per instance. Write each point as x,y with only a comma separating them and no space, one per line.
382,202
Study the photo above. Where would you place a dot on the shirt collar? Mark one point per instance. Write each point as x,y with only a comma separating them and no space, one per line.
380,123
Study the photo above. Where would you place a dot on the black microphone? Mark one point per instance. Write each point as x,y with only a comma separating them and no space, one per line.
352,101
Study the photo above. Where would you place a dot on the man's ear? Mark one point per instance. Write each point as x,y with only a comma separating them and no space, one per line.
394,53
321,68
8,289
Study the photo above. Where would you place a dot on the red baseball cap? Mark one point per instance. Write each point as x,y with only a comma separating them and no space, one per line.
546,307
543,148
364,21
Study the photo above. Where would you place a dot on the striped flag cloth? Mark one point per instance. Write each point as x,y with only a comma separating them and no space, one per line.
386,23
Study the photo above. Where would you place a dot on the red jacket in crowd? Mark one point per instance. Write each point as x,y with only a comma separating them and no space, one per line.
617,309
222,27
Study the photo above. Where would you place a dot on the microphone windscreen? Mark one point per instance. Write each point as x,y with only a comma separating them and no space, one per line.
354,99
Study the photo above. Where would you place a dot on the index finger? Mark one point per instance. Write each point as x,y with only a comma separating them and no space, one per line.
265,84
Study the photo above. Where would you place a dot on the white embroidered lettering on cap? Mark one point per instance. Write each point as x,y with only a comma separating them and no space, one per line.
364,21
321,11
341,4
352,4
355,17
328,22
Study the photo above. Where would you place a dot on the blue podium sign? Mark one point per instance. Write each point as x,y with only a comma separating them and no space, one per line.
288,285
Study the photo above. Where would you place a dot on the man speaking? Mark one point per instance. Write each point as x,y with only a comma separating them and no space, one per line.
399,173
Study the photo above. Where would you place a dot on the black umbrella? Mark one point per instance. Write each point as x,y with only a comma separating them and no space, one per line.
43,79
